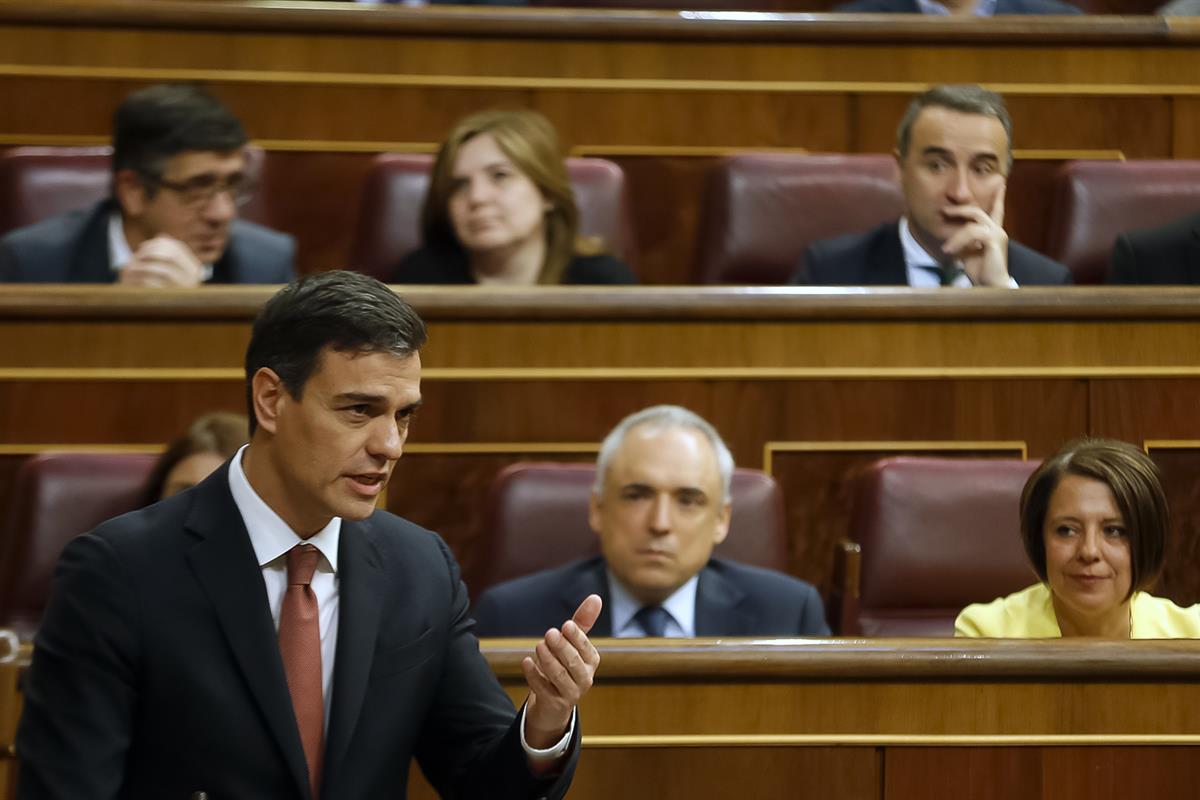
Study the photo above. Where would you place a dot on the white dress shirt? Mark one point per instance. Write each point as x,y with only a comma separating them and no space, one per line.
120,253
922,268
272,539
680,608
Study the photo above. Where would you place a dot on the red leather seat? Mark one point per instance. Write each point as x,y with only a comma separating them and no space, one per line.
56,497
761,211
39,182
937,534
1097,200
537,518
389,221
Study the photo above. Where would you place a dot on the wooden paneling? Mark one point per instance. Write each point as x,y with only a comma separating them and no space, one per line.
1062,773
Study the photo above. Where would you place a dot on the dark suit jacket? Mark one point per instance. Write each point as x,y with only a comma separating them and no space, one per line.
73,248
731,600
876,258
1169,254
435,265
157,672
1002,7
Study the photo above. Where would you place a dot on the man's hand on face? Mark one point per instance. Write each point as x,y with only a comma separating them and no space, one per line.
559,673
163,262
981,244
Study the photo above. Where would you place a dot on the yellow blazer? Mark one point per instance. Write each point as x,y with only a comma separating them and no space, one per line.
1029,614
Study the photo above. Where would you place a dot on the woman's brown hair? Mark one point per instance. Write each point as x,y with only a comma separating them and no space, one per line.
531,143
1136,486
220,433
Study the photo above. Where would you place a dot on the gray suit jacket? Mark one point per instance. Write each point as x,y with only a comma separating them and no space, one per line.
156,672
73,248
731,600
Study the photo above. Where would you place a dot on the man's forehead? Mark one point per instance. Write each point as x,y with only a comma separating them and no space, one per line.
678,455
958,131
198,162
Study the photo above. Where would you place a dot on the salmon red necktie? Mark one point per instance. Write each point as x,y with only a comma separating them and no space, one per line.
300,646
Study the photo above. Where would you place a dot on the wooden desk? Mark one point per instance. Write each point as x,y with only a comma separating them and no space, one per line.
892,719
807,384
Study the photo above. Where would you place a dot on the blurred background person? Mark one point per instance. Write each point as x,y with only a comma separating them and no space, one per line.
178,179
1094,524
208,443
500,210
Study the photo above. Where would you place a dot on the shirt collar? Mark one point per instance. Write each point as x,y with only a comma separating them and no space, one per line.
920,267
681,605
119,251
270,536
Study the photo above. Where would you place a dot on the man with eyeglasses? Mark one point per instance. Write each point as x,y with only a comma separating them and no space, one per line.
179,177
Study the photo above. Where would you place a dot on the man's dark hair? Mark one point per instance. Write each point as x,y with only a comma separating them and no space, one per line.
340,310
965,98
153,124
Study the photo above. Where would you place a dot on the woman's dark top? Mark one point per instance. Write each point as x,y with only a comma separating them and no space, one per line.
429,265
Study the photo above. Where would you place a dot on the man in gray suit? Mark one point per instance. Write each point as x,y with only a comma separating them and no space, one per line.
179,176
660,504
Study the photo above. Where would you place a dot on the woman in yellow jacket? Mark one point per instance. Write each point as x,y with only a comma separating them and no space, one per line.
1094,524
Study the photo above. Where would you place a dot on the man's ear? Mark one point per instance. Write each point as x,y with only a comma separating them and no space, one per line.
594,521
722,528
267,394
130,192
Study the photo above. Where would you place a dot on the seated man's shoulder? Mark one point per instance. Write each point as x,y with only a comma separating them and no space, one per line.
1030,268
50,235
528,605
1170,235
266,255
761,580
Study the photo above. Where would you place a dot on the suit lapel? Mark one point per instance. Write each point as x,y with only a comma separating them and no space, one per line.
885,258
360,590
225,564
591,579
717,606
90,261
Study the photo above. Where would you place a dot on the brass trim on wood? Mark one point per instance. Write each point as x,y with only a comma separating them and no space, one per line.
1170,444
525,83
883,739
475,448
622,373
32,449
889,446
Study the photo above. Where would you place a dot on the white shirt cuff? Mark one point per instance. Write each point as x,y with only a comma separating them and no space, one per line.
553,752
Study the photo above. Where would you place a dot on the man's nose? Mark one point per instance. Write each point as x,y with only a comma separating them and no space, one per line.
660,514
387,439
221,207
958,189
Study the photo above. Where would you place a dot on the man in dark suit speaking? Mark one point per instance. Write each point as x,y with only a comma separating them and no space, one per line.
178,179
269,633
954,148
660,504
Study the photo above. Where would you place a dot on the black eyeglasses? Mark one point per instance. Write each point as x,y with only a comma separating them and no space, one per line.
199,191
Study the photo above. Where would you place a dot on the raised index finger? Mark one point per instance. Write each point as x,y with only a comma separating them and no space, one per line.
588,612
997,213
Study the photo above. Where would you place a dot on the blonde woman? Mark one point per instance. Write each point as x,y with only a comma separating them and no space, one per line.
500,211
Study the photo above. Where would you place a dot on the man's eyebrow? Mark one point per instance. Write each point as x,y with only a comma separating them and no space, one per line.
358,397
936,151
986,157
